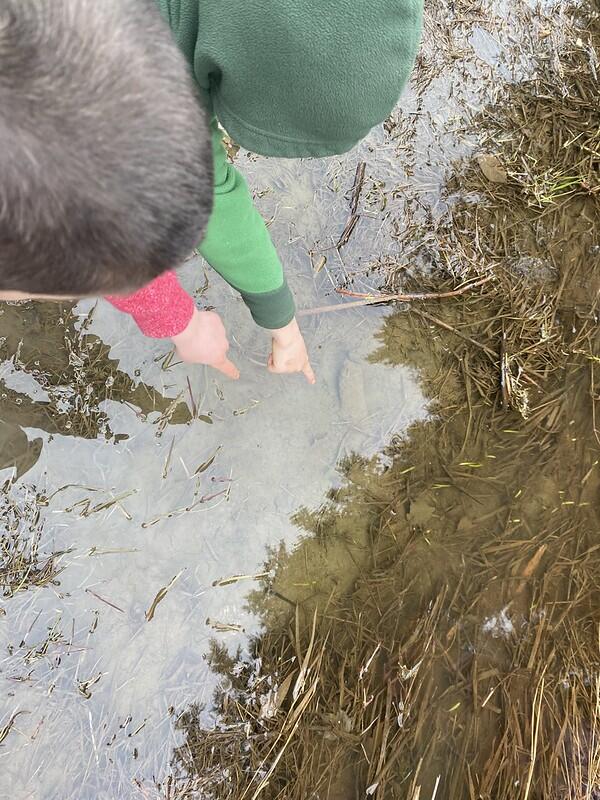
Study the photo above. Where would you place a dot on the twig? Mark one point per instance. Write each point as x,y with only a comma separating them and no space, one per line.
359,180
348,230
104,600
375,299
309,312
418,295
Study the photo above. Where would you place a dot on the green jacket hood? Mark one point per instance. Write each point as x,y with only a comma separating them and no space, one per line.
298,78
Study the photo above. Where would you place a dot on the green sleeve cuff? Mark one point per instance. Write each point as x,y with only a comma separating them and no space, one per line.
271,310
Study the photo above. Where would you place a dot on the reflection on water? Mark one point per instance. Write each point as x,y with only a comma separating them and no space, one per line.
55,378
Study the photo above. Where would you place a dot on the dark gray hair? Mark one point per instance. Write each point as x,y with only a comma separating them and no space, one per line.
105,158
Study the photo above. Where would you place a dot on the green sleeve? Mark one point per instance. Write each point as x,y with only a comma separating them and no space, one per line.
238,246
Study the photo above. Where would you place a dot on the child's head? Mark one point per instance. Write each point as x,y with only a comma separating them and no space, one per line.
105,162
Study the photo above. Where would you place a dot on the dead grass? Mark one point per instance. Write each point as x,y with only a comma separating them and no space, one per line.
457,656
23,563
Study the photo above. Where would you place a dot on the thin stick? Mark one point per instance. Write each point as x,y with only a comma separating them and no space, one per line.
348,230
309,312
371,300
359,180
418,295
104,600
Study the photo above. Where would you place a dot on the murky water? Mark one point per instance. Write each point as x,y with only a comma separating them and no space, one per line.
96,664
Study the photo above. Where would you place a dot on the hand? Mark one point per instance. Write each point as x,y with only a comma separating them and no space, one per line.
289,352
204,341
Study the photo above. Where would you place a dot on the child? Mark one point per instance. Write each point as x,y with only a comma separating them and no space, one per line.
110,148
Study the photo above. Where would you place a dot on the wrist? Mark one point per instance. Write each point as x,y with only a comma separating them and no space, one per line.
286,334
188,331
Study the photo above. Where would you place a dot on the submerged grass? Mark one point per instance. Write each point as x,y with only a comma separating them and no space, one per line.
438,634
23,562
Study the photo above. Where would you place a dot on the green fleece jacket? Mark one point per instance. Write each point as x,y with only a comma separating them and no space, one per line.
289,78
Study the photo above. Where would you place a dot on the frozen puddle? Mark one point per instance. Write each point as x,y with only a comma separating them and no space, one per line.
97,702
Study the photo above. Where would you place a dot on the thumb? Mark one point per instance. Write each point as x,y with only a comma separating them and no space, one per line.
308,372
275,370
227,368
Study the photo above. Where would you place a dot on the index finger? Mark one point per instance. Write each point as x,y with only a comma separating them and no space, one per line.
308,371
227,368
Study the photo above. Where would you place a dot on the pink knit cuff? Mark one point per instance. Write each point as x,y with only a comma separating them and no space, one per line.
161,309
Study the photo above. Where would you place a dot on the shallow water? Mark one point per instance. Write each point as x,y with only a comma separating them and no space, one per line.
277,443
96,705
